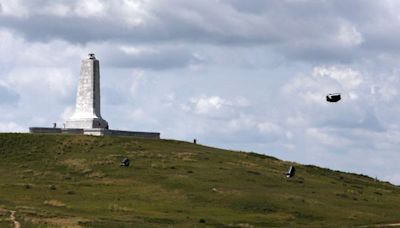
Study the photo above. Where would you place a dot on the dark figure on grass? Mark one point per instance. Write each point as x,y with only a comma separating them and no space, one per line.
125,162
291,172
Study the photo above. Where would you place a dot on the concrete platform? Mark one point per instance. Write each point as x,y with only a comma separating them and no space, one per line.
95,132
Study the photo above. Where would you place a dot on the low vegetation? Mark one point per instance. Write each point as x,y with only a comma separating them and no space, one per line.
77,181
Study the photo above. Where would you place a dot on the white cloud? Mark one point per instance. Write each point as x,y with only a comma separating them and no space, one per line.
297,121
349,35
205,105
240,123
55,82
9,47
11,127
58,9
268,127
135,12
14,8
137,81
387,88
327,138
135,50
89,8
307,90
67,113
215,106
345,76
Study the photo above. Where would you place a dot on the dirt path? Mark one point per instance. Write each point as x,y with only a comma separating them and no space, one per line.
384,225
388,225
13,219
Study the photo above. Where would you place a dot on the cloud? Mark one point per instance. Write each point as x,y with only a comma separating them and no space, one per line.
346,77
89,8
155,57
286,27
11,127
205,105
215,106
14,8
8,96
326,138
349,36
57,82
226,21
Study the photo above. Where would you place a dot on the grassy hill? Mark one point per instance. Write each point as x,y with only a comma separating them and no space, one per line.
77,181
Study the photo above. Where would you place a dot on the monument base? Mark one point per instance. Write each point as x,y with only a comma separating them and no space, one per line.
94,131
86,123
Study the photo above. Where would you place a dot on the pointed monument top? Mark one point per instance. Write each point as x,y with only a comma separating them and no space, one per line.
91,56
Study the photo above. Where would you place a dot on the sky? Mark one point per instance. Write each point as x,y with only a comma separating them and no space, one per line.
241,75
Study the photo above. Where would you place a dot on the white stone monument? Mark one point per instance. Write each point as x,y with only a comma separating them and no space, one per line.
87,111
87,119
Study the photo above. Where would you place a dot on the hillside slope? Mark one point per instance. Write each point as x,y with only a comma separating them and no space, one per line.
77,181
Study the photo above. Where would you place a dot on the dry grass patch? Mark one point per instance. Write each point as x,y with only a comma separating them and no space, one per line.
76,163
104,162
55,203
227,191
79,165
186,156
72,222
96,174
116,207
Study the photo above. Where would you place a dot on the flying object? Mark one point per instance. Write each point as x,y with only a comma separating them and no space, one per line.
333,97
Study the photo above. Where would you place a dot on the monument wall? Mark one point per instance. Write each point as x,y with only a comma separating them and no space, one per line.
94,132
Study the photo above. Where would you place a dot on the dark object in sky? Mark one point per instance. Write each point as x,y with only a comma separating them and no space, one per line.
333,97
291,172
125,162
194,141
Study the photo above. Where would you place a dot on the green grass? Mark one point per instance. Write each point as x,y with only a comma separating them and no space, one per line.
57,180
